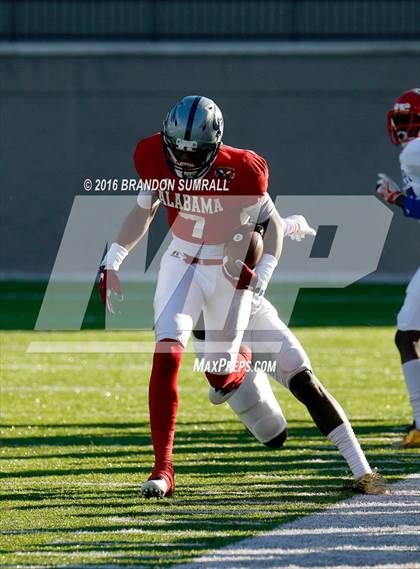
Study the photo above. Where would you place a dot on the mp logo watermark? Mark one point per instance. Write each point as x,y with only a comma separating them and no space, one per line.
359,224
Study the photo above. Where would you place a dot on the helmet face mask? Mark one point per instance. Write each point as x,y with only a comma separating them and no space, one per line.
192,135
403,121
189,163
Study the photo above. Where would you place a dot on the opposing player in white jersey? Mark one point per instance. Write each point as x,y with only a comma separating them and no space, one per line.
256,406
403,122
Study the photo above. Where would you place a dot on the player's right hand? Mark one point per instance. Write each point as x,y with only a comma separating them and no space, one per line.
387,189
109,287
297,228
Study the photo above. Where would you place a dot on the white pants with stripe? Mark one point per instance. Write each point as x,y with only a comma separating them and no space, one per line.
185,290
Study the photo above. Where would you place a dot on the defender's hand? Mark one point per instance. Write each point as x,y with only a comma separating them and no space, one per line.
297,228
387,189
247,279
109,286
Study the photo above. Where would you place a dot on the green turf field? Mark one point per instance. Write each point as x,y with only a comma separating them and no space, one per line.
361,304
76,448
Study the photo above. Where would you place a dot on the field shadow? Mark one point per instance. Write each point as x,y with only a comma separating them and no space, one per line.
226,481
206,449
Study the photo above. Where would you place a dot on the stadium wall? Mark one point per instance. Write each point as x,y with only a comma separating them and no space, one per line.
75,111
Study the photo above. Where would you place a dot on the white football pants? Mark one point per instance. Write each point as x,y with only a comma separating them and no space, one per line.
409,316
185,290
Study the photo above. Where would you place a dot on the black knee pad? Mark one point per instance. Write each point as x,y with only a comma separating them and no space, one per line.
400,339
406,338
304,386
408,344
199,334
278,441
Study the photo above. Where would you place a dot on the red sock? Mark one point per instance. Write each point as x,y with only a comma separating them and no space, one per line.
163,405
232,380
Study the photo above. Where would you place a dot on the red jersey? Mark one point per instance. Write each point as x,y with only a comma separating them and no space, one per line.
204,210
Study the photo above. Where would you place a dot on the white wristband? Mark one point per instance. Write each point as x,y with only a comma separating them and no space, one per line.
264,269
114,257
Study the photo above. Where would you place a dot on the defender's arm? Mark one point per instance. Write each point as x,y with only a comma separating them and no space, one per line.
274,235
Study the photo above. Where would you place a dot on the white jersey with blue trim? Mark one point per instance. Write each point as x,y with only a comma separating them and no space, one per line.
410,168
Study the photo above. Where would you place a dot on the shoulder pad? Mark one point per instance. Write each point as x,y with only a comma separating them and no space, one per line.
410,166
410,158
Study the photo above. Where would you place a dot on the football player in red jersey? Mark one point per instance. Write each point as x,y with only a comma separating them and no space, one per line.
207,189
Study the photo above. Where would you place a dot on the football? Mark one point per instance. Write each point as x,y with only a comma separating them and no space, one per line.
245,245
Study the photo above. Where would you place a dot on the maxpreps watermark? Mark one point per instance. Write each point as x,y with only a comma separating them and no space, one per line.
222,365
362,227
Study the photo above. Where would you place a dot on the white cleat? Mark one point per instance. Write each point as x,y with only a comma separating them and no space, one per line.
157,488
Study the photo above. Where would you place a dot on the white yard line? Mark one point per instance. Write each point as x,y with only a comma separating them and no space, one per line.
362,532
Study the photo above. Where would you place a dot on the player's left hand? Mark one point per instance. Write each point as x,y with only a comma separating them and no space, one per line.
109,287
387,189
298,228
